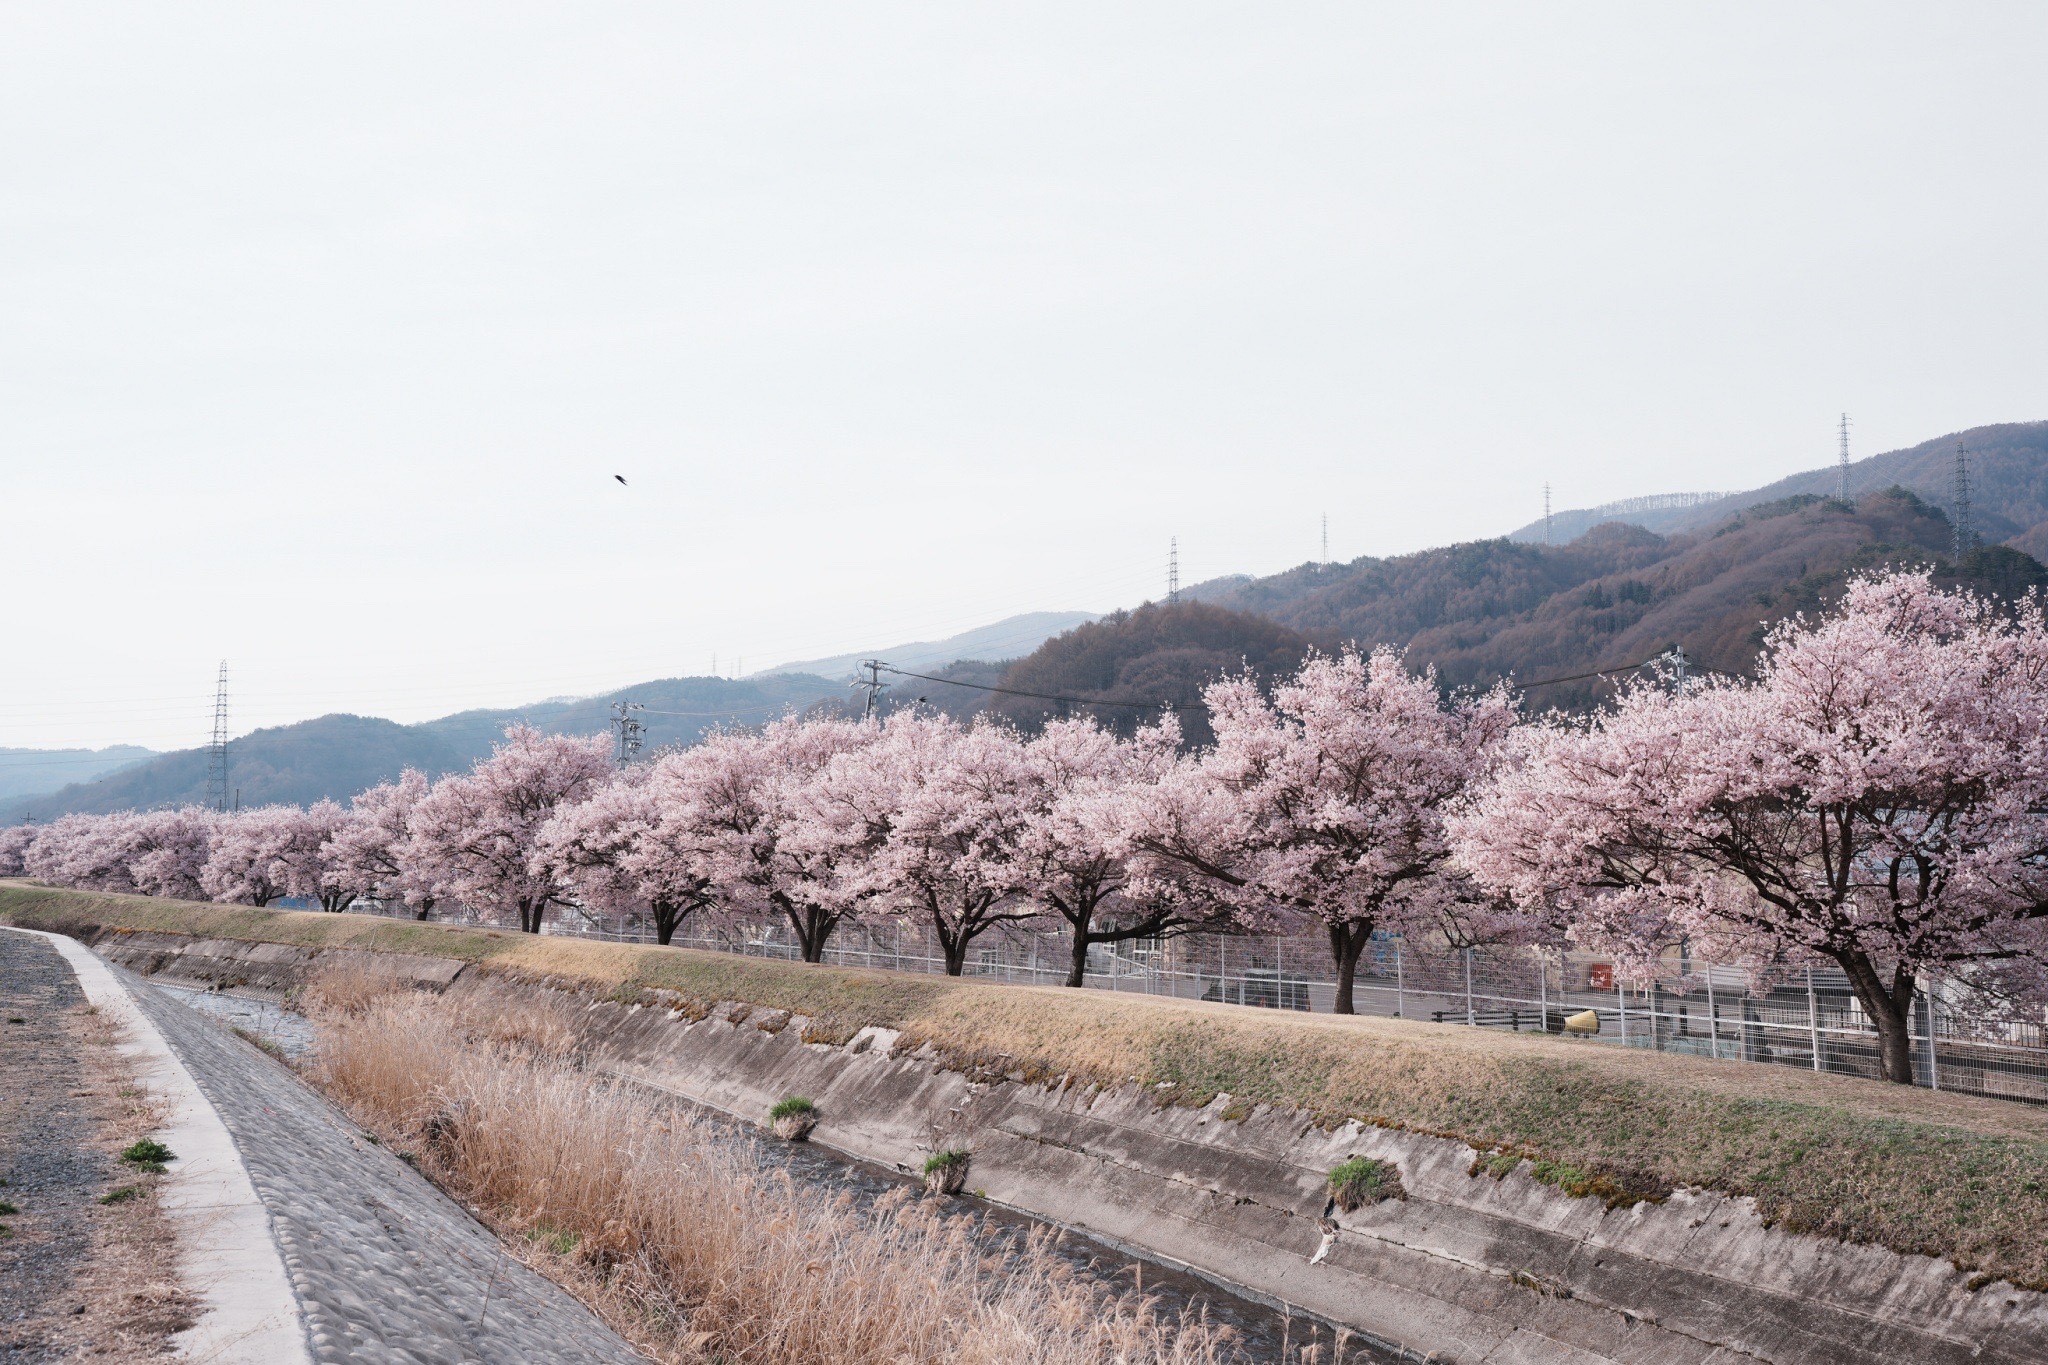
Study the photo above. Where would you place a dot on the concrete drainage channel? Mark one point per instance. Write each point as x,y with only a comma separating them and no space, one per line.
1266,1329
1472,1270
302,1241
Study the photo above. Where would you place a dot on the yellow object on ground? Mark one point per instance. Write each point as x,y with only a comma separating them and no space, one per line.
1585,1021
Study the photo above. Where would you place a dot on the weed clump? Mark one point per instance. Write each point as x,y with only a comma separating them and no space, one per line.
946,1172
1363,1180
121,1194
793,1118
148,1155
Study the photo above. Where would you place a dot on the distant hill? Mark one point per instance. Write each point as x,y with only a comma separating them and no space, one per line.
1619,594
339,755
1160,652
2008,467
25,772
1010,638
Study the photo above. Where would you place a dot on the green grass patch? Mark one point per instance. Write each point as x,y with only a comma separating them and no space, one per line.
1363,1180
121,1194
148,1155
951,1157
558,1240
793,1107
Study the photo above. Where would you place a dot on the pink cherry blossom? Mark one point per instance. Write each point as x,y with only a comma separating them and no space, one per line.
1328,802
471,837
367,849
1874,798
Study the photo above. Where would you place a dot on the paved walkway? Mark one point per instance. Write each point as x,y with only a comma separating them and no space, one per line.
385,1267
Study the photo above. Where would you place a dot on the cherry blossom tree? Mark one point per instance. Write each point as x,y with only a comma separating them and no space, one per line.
751,798
167,851
1080,778
1328,801
925,820
308,872
1873,798
15,842
472,837
623,852
248,862
367,849
85,851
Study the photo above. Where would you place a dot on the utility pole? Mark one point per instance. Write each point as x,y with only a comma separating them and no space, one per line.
1173,569
1546,513
1842,467
628,730
873,684
217,751
1681,666
1965,535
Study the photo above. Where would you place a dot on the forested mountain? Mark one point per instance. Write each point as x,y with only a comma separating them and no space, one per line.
337,756
1493,609
2008,474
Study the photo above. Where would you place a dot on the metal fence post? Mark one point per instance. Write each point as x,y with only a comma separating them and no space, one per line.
1713,1018
1543,992
1400,986
1933,1058
1621,1008
1471,1020
1813,1018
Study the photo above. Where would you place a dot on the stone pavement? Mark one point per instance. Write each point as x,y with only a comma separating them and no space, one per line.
385,1266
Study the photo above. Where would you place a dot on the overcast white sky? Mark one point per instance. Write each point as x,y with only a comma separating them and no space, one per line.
323,329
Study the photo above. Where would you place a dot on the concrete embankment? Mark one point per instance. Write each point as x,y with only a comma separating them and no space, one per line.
1468,1266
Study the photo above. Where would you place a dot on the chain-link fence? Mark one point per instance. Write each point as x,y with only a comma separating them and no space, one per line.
1810,1020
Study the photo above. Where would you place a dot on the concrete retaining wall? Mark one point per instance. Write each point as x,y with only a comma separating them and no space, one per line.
1468,1267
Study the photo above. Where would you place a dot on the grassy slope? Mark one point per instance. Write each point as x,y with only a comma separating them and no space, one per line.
1944,1175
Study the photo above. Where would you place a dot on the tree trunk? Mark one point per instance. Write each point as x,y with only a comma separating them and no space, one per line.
529,918
1077,970
423,911
665,921
813,927
955,949
1347,941
1889,1008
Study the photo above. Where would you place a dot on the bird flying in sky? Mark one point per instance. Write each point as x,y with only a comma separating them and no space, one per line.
620,477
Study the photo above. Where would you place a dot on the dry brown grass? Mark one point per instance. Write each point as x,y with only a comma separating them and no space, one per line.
677,1233
348,984
1941,1174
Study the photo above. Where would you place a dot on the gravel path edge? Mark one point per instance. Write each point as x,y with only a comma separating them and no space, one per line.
228,1256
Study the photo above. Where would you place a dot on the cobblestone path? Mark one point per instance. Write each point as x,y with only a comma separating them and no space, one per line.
386,1267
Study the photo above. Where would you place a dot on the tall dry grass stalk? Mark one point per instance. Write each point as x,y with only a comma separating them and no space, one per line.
679,1234
349,983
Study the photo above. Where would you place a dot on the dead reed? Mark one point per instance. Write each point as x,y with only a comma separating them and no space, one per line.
679,1235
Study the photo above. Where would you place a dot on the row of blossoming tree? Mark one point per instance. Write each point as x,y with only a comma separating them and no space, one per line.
1875,797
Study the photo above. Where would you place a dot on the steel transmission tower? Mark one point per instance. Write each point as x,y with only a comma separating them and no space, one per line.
1546,514
1966,537
1173,569
1842,466
217,752
1326,539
